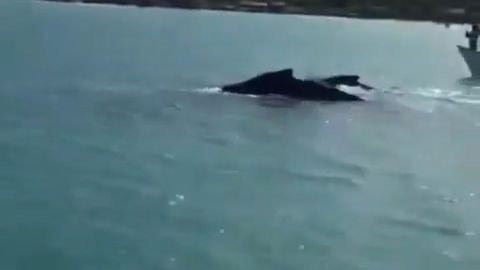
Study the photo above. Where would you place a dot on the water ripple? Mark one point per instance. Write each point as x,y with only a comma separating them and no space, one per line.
325,179
423,226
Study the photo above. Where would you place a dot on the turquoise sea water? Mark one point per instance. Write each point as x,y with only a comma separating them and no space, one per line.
117,152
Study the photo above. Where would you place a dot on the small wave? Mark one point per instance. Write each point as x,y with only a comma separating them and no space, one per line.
227,171
215,140
423,226
466,101
325,178
276,101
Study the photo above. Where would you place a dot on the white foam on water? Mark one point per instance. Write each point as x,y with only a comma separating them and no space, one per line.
209,90
79,3
218,90
451,255
437,92
470,234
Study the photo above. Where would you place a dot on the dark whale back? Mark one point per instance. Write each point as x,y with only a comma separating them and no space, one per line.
283,82
266,83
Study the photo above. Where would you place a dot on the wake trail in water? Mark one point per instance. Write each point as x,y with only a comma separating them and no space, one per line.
418,94
453,96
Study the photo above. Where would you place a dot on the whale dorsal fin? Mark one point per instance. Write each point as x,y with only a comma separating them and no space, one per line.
279,74
286,72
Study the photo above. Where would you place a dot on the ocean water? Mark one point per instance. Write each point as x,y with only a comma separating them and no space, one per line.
118,152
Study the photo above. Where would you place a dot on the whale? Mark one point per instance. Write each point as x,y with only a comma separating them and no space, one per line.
283,83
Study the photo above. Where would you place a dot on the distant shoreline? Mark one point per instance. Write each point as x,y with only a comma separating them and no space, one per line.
445,16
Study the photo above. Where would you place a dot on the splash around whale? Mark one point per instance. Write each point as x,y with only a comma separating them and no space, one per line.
282,82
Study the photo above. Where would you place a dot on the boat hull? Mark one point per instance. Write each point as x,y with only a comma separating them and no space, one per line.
472,59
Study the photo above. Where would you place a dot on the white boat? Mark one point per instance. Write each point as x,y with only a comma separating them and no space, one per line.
472,59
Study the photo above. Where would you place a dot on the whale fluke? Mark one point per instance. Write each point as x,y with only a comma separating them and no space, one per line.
348,80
